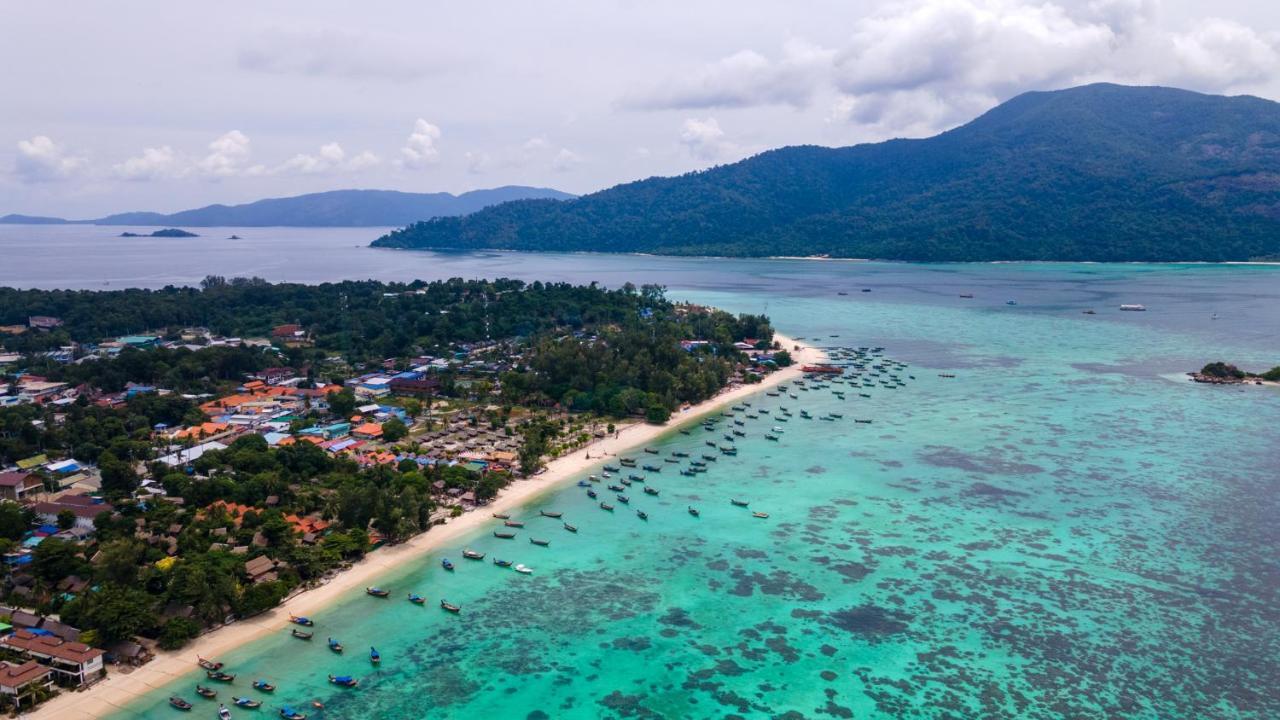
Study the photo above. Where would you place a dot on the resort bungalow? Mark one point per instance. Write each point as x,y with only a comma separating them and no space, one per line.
16,485
73,663
19,682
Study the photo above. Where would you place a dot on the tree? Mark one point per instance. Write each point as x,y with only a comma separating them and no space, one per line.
782,358
118,476
66,520
54,559
394,430
657,414
13,520
342,403
176,632
119,613
118,561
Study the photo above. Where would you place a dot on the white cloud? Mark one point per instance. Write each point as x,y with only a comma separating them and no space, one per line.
744,79
40,159
153,163
706,141
334,53
330,158
229,156
565,160
420,149
478,162
1220,53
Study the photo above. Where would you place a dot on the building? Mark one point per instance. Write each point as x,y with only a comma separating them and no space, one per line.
191,454
18,682
261,569
16,485
72,663
43,322
423,386
84,507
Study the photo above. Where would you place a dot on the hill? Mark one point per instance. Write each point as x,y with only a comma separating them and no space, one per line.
1099,172
337,208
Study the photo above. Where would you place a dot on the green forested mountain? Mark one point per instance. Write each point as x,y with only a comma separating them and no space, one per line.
1100,172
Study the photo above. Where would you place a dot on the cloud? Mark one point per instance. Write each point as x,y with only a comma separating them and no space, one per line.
153,163
1221,53
420,149
744,79
229,156
329,52
330,158
565,160
706,141
40,159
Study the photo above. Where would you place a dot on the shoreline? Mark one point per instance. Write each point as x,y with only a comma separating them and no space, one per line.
117,690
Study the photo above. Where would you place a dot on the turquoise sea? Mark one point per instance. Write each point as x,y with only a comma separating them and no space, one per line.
1065,529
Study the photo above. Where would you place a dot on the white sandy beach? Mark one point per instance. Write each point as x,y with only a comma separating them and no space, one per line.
118,689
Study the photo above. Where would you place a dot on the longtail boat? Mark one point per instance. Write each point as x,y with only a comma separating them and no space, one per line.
208,664
503,535
606,506
513,523
206,692
376,592
263,686
502,563
540,541
651,491
219,676
450,607
739,503
552,513
447,564
570,528
472,554
694,511
179,703
245,702
416,599
760,515
502,516
299,620
642,515
289,713
375,657
301,634
335,646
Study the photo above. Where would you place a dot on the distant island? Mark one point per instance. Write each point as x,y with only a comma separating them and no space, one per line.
336,208
167,232
1220,373
1096,173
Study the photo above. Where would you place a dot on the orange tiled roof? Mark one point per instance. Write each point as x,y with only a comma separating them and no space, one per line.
370,429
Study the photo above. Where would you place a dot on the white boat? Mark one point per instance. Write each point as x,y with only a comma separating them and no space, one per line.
523,569
1134,308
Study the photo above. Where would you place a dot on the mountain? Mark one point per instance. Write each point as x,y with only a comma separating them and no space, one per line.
337,208
1100,172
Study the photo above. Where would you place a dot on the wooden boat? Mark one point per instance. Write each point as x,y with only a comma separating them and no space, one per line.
679,454
447,564
606,506
653,468
673,461
570,528
472,554
616,488
417,599
502,563
335,646
376,592
524,569
761,515
591,494
289,713
245,702
343,681
450,607
503,535
627,462
710,443
612,468
686,473
223,713
219,676
636,478
540,541
502,516
694,511
208,664
180,703
301,634
651,451
375,657
514,523
642,515
298,620
206,692
710,458
623,499
626,482
551,513
651,491
739,503
684,431
729,450
263,686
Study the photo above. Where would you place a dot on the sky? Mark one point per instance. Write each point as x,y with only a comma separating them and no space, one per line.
111,107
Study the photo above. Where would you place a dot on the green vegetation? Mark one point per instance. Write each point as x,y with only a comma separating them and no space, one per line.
1101,172
1223,371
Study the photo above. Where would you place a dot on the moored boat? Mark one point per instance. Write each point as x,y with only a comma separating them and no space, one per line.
335,646
551,513
375,657
223,713
301,634
570,528
503,535
472,554
642,515
416,599
376,592
540,541
208,664
289,713
694,511
246,702
760,514
514,523
623,499
502,516
739,503
219,676
450,607
300,620
343,680
206,692
263,686
523,569
591,494
179,703
502,563
651,491
447,564
606,506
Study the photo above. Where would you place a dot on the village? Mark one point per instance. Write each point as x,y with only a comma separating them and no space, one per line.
441,422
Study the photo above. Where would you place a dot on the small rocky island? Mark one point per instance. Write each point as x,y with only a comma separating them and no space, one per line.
167,232
1220,373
